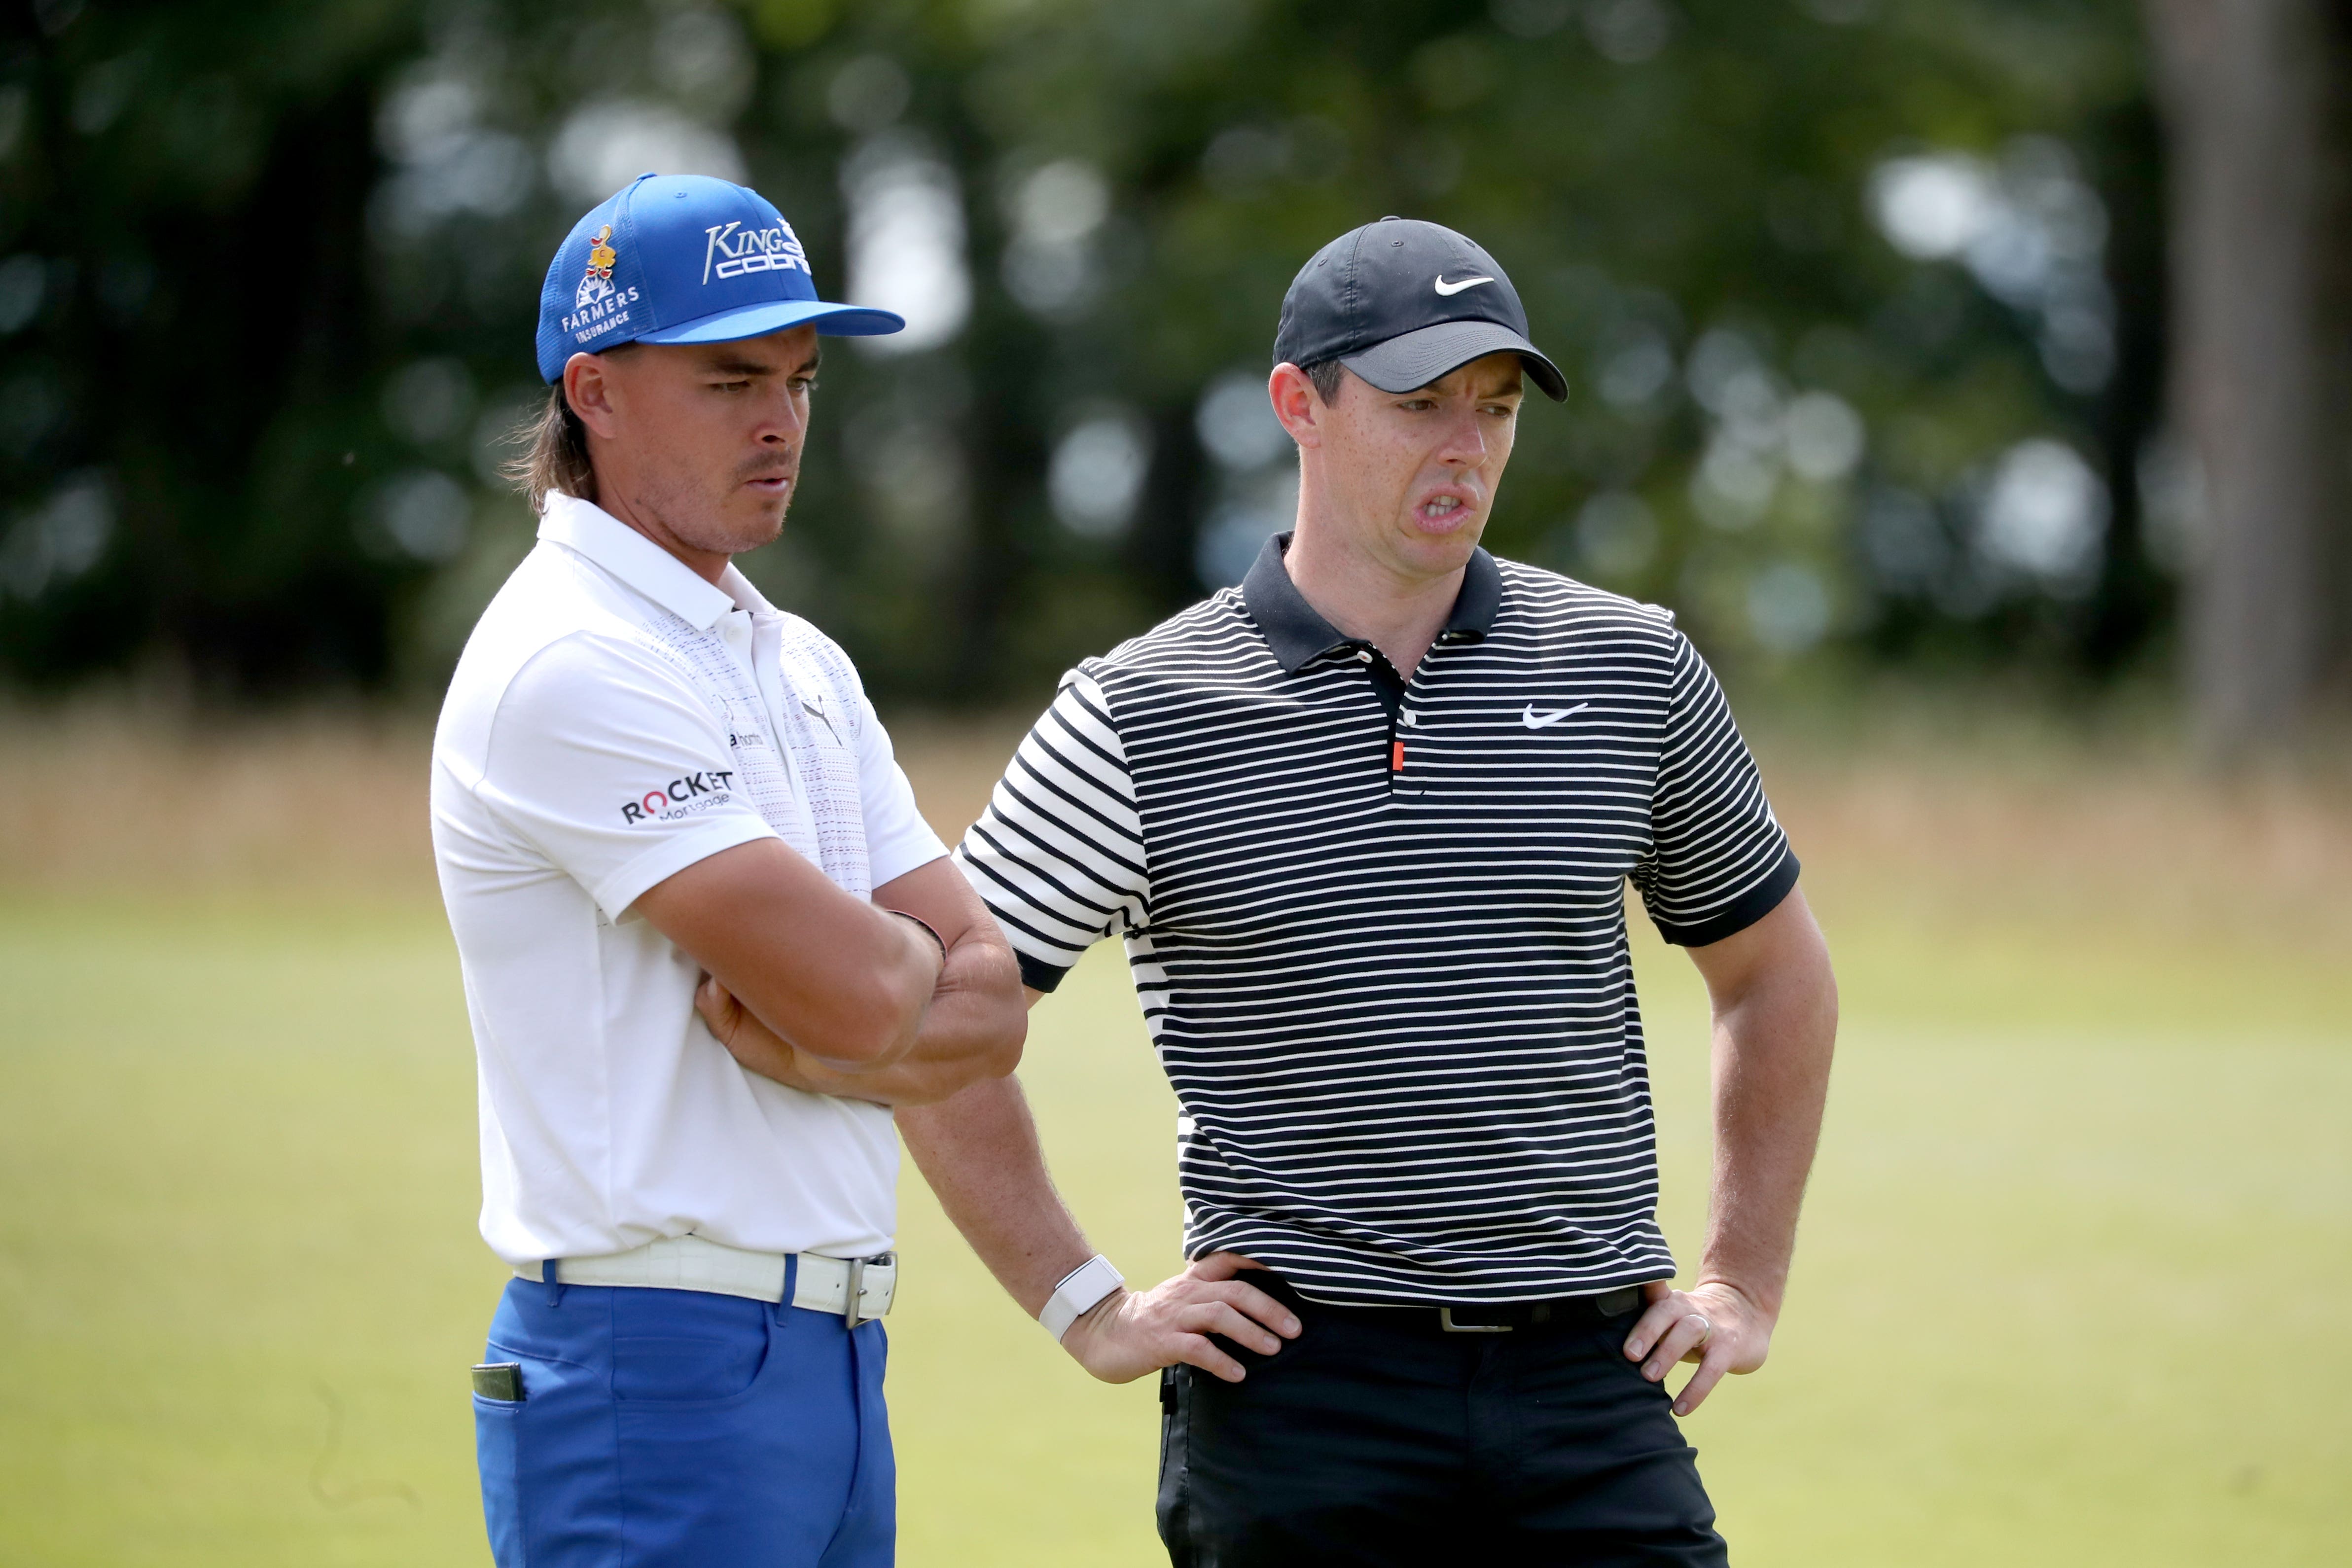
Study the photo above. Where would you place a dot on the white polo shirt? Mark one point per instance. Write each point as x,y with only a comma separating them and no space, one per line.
615,719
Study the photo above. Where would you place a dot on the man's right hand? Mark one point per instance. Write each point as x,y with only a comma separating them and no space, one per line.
832,972
1129,1333
972,1030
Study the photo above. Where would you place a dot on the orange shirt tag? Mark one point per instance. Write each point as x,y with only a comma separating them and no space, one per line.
1396,756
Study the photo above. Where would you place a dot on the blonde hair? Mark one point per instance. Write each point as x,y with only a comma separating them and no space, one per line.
555,454
555,450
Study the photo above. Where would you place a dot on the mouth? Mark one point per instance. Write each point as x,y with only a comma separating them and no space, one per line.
771,484
1444,512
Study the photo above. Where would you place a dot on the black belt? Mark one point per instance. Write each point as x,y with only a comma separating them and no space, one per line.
1504,1317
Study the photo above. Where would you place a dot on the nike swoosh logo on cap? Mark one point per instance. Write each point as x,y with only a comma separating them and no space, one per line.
1535,721
1446,288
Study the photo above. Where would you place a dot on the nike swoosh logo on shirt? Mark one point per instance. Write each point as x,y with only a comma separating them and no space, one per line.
1535,721
1452,289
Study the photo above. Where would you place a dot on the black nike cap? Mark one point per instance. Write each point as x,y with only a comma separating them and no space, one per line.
1401,303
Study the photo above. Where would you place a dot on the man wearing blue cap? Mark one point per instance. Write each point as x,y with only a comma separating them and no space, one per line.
1364,825
647,781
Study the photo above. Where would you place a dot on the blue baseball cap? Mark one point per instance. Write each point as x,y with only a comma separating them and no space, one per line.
683,259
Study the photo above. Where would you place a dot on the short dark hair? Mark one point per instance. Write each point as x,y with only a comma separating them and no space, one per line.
555,450
1325,374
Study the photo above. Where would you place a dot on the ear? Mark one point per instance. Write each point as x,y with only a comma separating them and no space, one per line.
588,387
1297,404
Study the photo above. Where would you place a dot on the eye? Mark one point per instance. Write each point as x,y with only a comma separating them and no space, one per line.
731,387
1418,404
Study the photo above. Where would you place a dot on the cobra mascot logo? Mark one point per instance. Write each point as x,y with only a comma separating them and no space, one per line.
596,283
597,306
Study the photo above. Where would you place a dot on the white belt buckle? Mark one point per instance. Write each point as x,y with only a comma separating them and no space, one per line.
1446,1322
854,1298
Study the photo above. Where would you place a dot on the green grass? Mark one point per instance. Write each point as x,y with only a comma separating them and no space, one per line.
2070,1289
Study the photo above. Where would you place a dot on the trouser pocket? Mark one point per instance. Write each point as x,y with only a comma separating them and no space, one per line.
547,1469
667,1370
495,1447
1174,1514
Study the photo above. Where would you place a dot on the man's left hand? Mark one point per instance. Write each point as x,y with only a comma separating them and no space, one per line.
1713,1323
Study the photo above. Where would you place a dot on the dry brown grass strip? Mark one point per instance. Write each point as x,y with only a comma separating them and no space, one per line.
113,798
132,797
2074,839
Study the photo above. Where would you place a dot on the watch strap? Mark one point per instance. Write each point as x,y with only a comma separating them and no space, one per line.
1080,1291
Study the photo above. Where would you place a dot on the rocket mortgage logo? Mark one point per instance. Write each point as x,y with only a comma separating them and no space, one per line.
679,797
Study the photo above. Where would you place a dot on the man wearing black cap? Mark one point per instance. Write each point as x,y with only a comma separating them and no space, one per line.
1365,826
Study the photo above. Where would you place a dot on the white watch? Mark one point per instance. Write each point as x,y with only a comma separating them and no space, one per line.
1081,1289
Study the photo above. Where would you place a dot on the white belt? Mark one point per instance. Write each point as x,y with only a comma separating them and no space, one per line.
821,1284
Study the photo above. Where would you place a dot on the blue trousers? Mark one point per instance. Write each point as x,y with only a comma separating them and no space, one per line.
682,1429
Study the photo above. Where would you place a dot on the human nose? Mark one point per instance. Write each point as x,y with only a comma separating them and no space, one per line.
784,418
1465,440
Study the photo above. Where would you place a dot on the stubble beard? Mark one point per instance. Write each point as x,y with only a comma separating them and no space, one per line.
699,515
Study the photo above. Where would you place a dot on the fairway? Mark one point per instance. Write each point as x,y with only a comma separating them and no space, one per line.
2083,1213
2080,1219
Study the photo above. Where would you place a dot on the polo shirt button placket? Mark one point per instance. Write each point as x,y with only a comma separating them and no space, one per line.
1402,784
1414,785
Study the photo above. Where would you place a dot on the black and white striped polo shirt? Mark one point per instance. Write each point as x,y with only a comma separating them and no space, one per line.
1378,926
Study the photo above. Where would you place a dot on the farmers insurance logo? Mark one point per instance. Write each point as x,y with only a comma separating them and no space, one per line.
597,307
735,251
679,797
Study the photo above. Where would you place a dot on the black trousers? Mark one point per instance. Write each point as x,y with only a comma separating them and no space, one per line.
1373,1438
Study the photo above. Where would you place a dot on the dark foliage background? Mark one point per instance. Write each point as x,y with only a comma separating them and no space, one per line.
1861,301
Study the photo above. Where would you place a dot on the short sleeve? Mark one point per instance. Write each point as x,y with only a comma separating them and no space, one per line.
897,839
1058,856
609,765
1719,861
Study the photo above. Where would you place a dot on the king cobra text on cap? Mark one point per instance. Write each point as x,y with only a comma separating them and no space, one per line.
684,259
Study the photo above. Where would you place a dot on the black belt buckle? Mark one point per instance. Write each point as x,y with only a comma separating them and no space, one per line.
1618,1302
1602,1307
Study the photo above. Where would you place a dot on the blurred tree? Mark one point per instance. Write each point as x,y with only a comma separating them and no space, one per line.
190,333
1862,301
2255,93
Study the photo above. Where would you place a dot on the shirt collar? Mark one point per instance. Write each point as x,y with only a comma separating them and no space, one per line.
1298,633
638,562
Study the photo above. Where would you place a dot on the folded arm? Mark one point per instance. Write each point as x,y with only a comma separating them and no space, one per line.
972,1028
844,982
